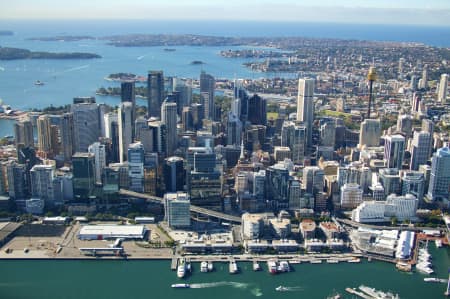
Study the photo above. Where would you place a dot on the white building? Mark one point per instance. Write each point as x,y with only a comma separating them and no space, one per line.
177,209
442,93
102,232
394,151
125,114
42,182
400,207
252,226
99,152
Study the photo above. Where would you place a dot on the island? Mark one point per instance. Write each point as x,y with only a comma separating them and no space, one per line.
16,53
63,38
6,32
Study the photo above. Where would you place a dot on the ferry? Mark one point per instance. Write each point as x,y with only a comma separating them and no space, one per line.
210,266
233,268
378,294
181,285
281,289
181,270
204,267
272,267
434,279
256,266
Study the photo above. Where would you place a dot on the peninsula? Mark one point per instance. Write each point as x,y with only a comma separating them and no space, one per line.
63,38
16,53
6,32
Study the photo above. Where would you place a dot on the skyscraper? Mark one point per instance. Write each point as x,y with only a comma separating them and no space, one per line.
394,151
173,172
136,166
294,137
67,135
42,183
169,119
23,132
17,180
443,85
234,130
439,188
313,179
420,149
257,114
128,94
86,125
155,96
305,106
44,136
370,133
83,175
413,182
277,179
99,152
207,90
404,125
423,83
125,129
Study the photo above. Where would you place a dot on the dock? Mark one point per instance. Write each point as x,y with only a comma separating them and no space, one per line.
359,294
174,264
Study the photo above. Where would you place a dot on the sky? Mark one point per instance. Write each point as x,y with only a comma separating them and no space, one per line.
417,12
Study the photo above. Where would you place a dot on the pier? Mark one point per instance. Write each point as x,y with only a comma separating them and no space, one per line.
359,294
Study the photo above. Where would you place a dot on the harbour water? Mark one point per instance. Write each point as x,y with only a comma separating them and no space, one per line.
111,279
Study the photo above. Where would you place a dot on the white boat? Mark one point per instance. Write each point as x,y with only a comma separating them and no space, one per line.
256,266
181,270
272,266
377,294
204,267
315,261
295,262
438,243
332,261
181,285
210,266
283,266
233,268
434,279
281,289
38,83
355,260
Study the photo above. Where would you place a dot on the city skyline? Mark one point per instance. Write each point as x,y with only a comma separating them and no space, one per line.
434,12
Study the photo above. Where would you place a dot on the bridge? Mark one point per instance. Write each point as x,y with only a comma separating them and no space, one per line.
193,208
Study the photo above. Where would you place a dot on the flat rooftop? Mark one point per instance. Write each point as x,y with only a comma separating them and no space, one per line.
113,230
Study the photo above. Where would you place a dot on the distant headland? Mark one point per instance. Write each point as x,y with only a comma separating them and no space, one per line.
16,53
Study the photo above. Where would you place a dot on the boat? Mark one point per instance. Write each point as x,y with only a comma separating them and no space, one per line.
355,260
332,261
377,294
438,243
434,279
38,83
281,289
181,270
169,50
204,267
256,266
283,266
272,266
233,268
424,268
314,261
210,266
181,285
295,262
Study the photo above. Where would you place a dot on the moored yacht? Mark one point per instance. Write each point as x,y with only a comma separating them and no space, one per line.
272,266
204,267
181,270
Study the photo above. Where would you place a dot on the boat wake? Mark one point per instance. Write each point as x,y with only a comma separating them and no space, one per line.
140,57
293,289
2,69
257,292
238,285
77,68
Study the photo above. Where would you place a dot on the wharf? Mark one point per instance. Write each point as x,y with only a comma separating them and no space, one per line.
359,294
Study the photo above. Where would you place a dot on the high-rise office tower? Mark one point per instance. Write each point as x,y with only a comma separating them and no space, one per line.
86,125
158,132
420,149
125,125
428,126
277,179
185,91
351,196
173,173
328,133
257,114
305,106
186,119
413,182
42,183
99,152
404,125
23,132
294,137
177,210
44,136
424,81
313,179
108,119
390,179
67,135
198,114
439,188
83,175
394,151
139,125
370,133
207,90
155,96
234,130
17,180
169,119
136,166
128,94
443,85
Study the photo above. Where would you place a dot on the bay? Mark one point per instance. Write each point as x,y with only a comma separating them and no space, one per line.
111,279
